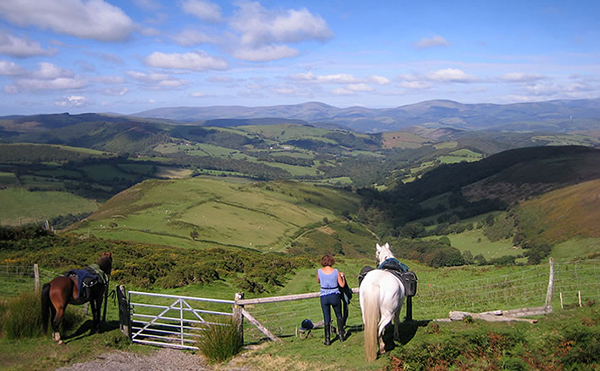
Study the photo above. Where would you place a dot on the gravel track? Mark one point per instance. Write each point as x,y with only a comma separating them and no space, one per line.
164,359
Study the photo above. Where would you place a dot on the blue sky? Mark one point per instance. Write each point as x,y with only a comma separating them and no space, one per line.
132,55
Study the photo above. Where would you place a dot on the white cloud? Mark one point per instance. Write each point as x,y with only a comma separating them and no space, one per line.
21,47
360,87
342,91
260,26
451,75
264,53
262,34
93,19
108,79
308,76
204,10
116,91
157,80
415,84
292,91
61,83
197,94
551,89
431,42
150,77
47,77
193,37
172,83
521,77
219,79
194,61
72,101
381,80
10,68
49,71
340,78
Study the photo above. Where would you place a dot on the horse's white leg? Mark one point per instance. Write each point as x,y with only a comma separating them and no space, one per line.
56,337
381,345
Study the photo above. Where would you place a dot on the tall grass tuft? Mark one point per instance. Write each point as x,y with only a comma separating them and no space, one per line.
220,342
21,317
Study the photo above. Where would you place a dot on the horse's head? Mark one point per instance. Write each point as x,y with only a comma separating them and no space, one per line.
383,253
105,262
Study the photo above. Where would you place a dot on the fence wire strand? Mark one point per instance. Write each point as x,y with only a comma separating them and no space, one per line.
522,289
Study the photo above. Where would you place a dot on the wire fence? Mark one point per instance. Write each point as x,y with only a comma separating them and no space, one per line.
575,283
524,288
15,279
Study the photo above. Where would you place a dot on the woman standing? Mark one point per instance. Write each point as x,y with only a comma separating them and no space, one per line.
330,279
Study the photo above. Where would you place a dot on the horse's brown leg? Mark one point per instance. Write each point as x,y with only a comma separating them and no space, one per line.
99,310
60,293
93,304
57,318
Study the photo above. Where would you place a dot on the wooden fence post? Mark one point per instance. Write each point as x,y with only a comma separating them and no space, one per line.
36,274
550,286
238,317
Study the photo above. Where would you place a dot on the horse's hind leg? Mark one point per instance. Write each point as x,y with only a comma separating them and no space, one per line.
397,326
57,315
96,304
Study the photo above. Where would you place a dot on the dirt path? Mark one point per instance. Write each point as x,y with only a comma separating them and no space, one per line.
163,360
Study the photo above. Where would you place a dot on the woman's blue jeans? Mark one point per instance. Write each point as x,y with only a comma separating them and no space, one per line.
331,300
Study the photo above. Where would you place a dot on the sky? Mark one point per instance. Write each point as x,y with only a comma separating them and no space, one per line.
129,56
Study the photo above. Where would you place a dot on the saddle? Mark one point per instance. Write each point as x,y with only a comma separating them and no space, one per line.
86,279
400,270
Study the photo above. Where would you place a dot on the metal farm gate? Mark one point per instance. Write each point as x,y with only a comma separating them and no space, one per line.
169,320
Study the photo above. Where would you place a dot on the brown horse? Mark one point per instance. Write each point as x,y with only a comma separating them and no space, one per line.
61,291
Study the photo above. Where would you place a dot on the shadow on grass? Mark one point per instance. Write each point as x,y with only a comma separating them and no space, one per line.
86,329
408,330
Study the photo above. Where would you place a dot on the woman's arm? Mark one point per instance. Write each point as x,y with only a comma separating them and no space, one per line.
341,279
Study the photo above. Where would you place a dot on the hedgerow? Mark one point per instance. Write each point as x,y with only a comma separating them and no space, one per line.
146,266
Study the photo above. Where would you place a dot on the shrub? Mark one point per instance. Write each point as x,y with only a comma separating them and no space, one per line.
221,341
22,316
576,345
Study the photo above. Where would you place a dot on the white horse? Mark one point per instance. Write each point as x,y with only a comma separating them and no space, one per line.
381,298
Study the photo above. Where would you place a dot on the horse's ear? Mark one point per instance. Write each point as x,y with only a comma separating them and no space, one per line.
109,254
387,245
378,247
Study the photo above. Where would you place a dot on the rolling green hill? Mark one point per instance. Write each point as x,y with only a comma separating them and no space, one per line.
261,216
568,213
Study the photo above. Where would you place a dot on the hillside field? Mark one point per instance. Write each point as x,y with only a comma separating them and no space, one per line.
20,206
262,216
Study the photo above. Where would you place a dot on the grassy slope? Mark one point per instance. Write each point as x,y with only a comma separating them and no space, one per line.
20,204
571,212
258,216
309,354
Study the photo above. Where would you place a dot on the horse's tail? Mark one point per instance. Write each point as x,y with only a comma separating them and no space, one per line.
371,319
45,306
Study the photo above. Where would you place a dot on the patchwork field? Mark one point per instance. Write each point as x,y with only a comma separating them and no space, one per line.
197,211
20,206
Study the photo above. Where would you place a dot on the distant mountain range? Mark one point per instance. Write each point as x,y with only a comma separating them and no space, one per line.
554,116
